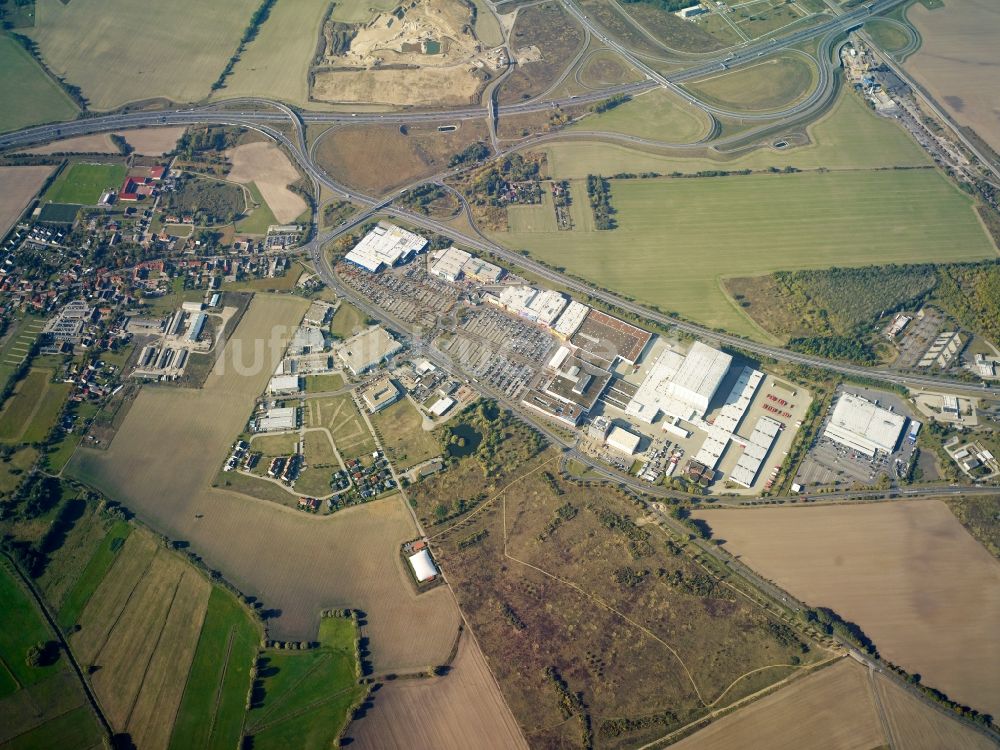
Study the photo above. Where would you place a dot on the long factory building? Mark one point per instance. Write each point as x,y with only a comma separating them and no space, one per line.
863,426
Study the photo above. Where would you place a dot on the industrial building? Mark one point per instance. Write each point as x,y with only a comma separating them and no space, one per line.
571,319
862,426
385,246
422,565
568,389
367,349
441,406
680,386
723,429
380,394
319,314
283,385
447,263
539,306
275,420
196,327
765,432
481,271
307,340
622,440
603,339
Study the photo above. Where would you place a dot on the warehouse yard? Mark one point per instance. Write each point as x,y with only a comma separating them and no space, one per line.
905,572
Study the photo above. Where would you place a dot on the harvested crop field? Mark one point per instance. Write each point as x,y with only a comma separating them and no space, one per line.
267,166
118,51
906,572
437,712
455,85
276,62
140,629
382,157
350,559
96,143
957,62
153,141
18,185
915,725
834,703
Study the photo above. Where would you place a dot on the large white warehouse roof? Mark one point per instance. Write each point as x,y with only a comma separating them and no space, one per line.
862,426
385,245
423,567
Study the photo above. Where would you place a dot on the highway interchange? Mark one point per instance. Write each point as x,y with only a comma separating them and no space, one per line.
272,119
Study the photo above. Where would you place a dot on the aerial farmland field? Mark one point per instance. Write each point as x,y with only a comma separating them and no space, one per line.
118,51
30,96
906,572
249,538
32,410
276,62
676,238
266,166
18,185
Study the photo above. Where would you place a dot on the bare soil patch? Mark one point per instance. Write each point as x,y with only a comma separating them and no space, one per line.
454,85
296,563
266,165
959,60
153,141
463,709
97,143
18,185
916,582
834,703
380,158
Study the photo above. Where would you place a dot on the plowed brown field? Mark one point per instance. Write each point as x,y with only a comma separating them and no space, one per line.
463,709
907,572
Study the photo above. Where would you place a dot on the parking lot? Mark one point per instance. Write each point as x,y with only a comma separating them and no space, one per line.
409,294
502,351
917,337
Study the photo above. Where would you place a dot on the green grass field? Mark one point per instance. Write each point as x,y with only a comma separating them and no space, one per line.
774,83
30,97
12,470
74,730
659,114
212,709
260,218
676,238
23,627
276,63
83,183
400,427
540,217
20,338
322,383
887,36
307,695
118,51
97,567
31,412
346,321
850,136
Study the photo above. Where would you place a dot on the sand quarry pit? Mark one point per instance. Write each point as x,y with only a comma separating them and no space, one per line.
170,448
267,166
463,709
908,573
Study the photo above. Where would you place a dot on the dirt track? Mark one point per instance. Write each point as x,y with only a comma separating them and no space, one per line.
916,582
296,563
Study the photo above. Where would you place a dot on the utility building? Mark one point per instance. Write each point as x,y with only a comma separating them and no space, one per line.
680,386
